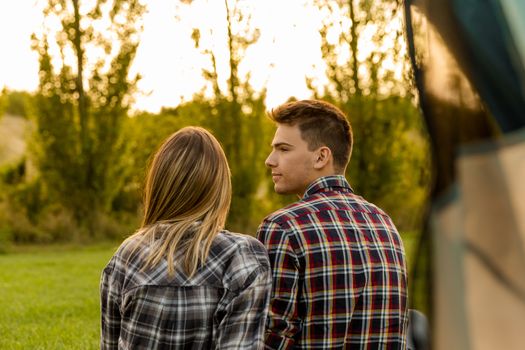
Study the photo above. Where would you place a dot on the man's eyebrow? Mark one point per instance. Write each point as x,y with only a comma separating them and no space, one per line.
279,144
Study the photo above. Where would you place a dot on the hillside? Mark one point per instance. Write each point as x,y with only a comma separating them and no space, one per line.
12,138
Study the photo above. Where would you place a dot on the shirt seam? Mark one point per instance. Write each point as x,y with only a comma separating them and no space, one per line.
286,219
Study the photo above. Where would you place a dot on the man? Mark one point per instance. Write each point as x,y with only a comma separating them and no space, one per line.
339,272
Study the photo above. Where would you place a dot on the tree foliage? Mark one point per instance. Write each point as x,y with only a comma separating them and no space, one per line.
237,114
362,48
83,97
91,153
367,71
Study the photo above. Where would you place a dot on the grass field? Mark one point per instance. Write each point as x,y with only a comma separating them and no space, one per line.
49,296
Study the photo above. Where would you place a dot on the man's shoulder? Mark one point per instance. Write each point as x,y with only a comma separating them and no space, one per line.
360,204
321,202
301,208
289,212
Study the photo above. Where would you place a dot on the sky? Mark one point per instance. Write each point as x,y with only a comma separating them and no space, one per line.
170,66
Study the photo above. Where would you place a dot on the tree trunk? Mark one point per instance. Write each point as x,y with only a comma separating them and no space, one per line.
353,48
86,158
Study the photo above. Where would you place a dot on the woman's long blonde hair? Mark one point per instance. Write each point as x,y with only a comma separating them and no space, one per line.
188,188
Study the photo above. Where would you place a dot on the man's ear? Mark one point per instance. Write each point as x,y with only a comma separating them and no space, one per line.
322,157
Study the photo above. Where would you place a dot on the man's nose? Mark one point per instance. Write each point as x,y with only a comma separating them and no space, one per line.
270,161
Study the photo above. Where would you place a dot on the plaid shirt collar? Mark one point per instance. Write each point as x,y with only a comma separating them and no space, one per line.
328,183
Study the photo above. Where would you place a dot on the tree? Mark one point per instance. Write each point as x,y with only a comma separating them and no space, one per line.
362,48
82,99
368,77
237,113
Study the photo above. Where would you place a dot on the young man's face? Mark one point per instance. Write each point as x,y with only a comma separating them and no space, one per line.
291,163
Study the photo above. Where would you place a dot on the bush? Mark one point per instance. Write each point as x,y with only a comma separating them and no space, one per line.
16,103
5,238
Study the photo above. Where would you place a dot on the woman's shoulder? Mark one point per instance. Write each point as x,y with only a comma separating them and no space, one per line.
243,243
239,238
129,255
241,256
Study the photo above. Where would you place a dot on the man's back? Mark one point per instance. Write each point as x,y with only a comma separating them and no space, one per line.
339,272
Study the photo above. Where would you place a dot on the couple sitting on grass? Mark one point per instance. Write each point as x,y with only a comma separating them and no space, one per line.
326,272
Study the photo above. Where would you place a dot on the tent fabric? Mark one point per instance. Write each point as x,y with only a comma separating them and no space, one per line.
449,321
468,68
514,11
480,244
494,63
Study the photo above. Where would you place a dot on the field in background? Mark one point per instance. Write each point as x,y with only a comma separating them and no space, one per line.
50,299
50,296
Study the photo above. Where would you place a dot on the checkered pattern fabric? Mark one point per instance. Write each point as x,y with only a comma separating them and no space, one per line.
222,306
339,273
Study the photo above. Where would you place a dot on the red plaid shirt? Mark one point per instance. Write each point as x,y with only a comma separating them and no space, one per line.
339,273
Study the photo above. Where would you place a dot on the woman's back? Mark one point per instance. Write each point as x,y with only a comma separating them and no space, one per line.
222,305
181,281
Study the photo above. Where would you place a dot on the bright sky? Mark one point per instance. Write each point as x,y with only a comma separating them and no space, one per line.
167,60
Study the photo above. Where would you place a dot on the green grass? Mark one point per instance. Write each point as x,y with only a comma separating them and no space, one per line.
49,298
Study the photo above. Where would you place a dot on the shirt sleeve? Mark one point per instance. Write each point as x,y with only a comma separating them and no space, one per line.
283,318
110,310
242,326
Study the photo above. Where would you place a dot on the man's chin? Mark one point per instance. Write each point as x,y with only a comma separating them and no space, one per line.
278,189
281,190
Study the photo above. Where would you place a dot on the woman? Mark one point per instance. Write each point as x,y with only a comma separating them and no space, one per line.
181,281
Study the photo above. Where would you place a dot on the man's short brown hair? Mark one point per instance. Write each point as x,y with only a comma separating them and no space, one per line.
321,124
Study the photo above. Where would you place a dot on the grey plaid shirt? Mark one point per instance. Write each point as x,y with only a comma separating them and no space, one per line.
222,306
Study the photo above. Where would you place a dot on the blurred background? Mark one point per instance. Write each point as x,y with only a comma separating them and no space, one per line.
90,89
